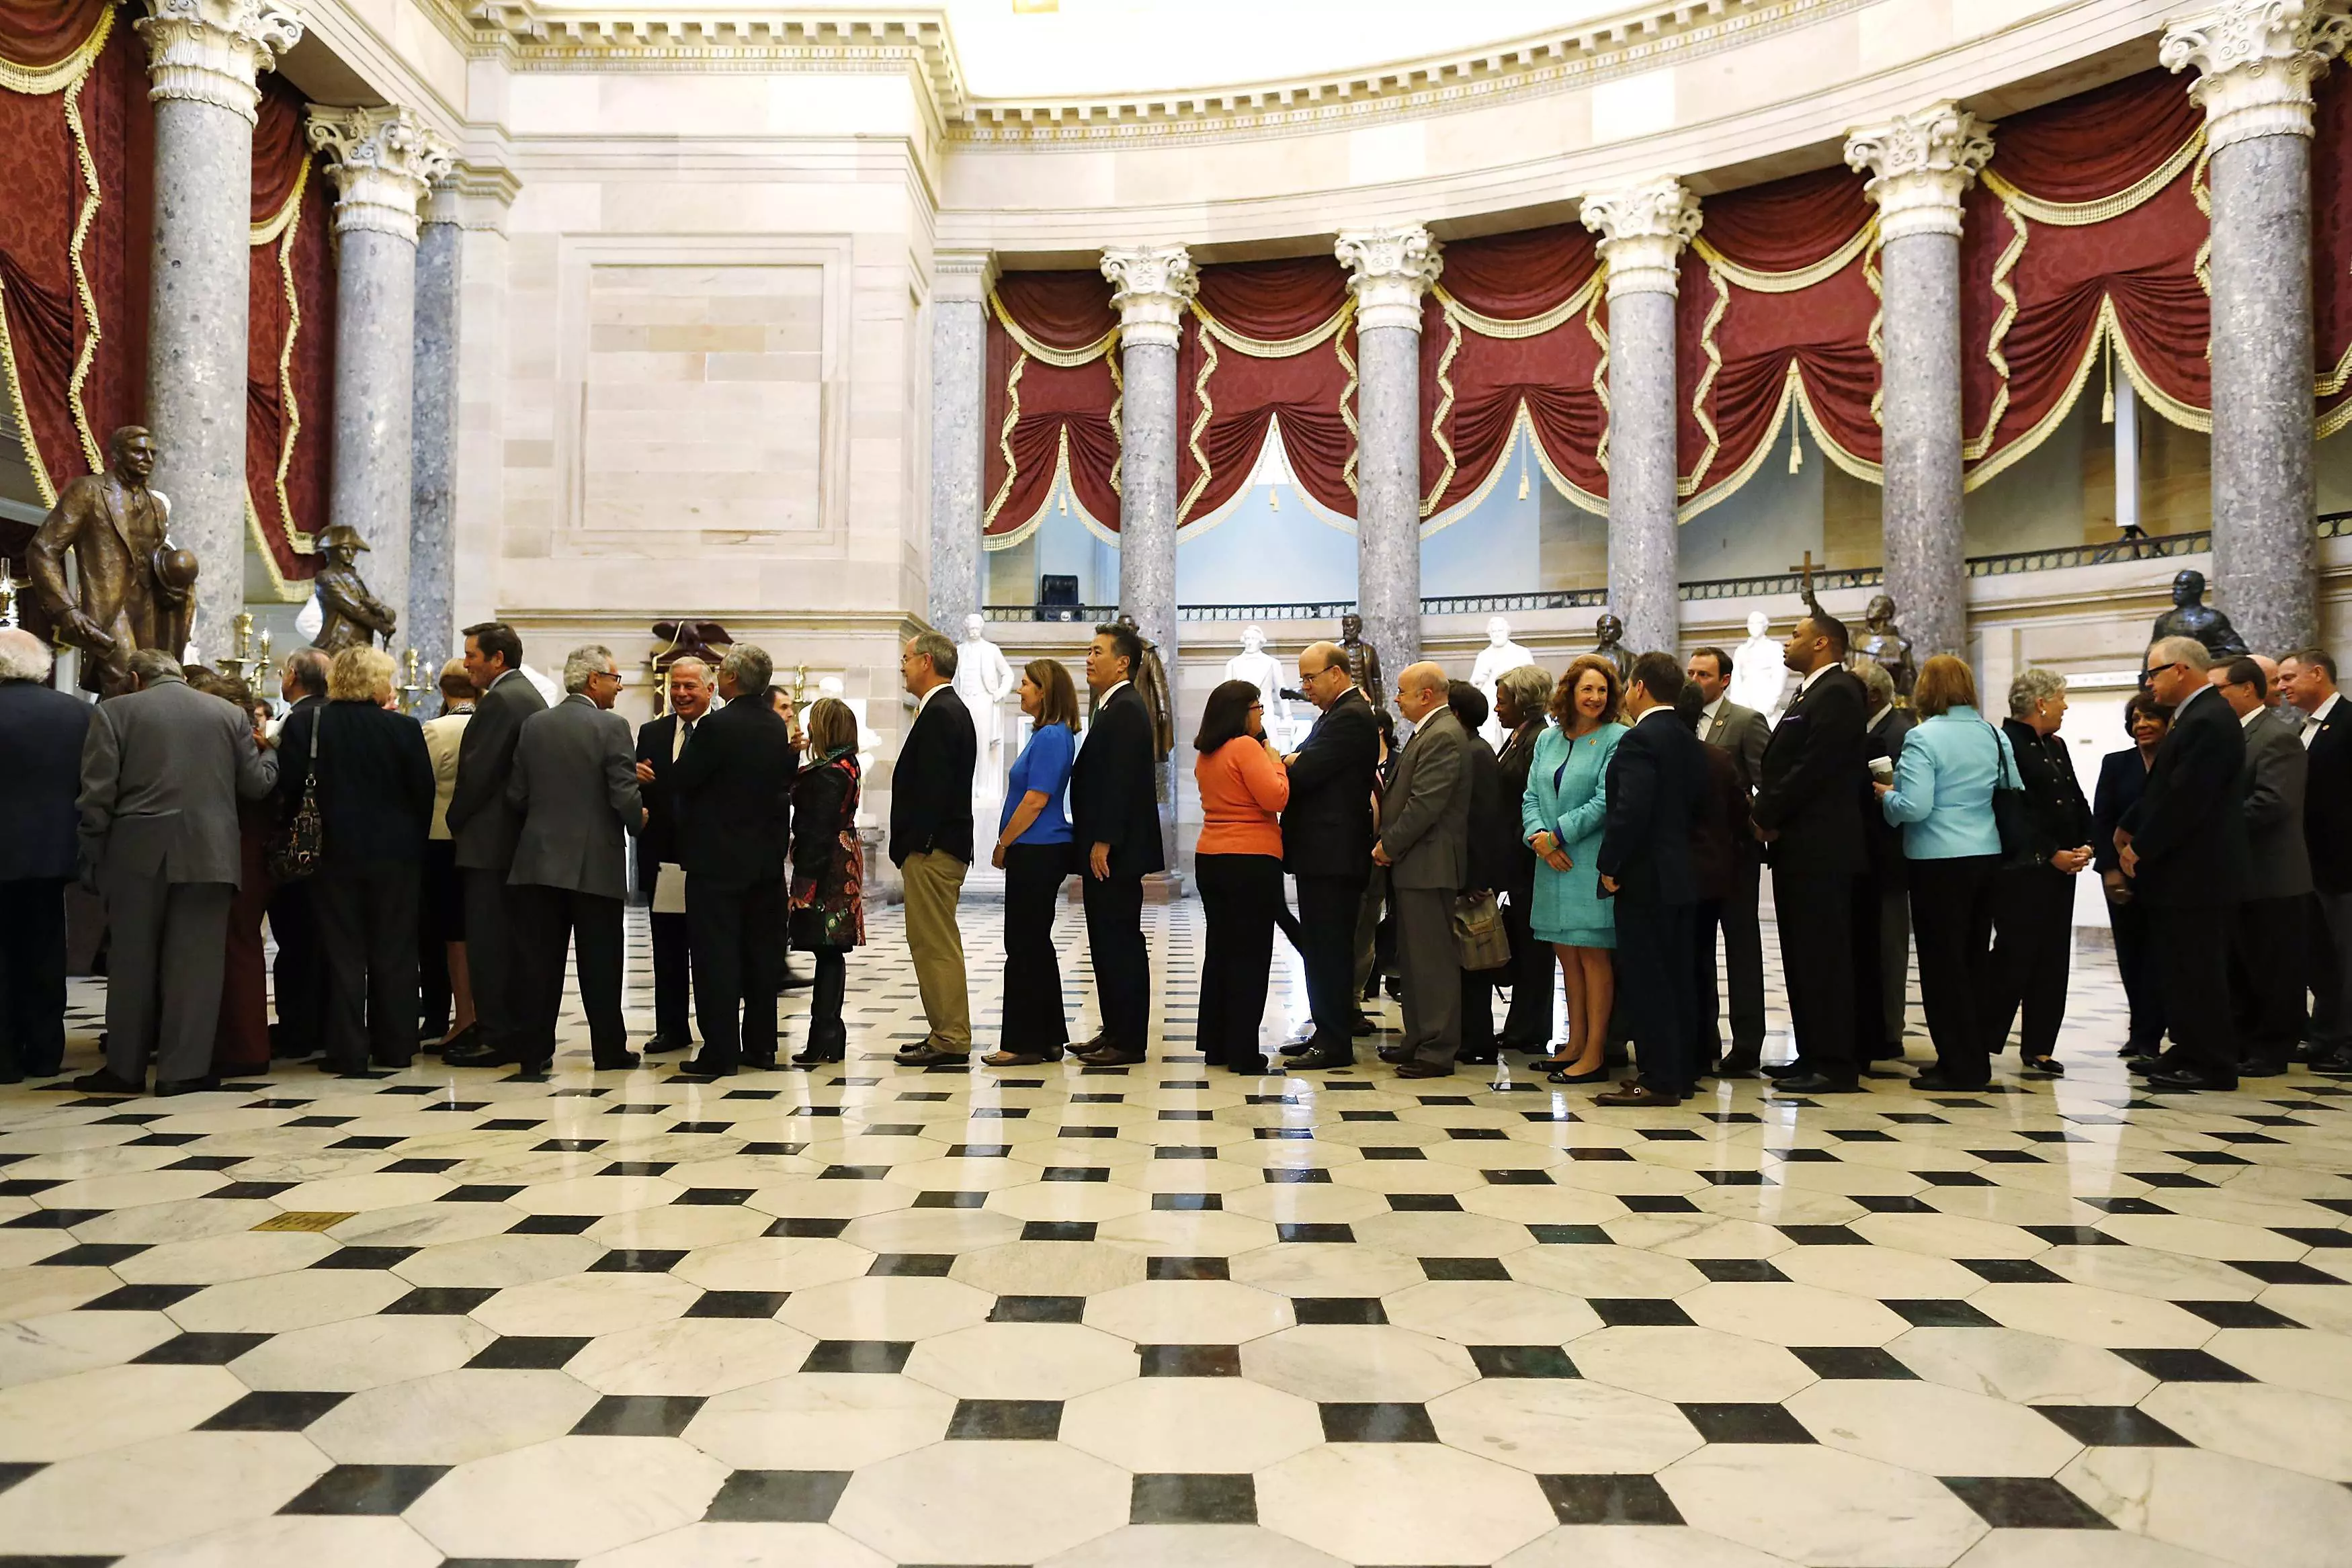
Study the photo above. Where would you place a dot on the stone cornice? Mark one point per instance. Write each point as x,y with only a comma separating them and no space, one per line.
1149,288
1389,269
1920,165
2255,61
385,162
1642,230
212,51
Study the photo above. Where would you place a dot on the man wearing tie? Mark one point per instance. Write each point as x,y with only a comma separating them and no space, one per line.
1425,843
2307,676
1327,844
2267,940
485,827
931,843
1743,733
1655,784
660,874
1114,813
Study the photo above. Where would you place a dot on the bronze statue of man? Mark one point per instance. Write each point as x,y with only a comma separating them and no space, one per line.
1882,640
1151,684
1612,646
2191,616
350,616
136,590
1363,662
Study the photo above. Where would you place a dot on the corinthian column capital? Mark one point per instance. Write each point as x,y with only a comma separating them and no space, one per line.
1389,269
1642,230
214,51
385,159
2255,60
1920,164
1151,288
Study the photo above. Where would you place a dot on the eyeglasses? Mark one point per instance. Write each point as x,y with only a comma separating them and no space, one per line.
2149,675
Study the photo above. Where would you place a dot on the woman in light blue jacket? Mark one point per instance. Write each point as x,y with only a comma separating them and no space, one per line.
1561,817
1942,798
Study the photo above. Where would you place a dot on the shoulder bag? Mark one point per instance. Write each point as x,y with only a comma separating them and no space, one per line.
2009,813
1480,940
299,843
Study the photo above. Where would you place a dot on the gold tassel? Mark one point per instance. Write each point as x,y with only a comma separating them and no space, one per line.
2107,398
1066,500
1274,497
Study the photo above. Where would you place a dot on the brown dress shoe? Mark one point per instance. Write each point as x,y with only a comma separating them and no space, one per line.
1638,1095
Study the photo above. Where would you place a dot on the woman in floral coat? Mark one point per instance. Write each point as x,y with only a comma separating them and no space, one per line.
828,909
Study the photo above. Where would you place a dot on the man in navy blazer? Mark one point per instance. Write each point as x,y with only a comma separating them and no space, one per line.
1114,818
41,734
2307,675
1327,844
931,843
1656,786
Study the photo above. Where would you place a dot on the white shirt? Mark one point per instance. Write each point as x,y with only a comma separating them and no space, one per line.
925,700
1711,713
1103,701
1872,722
1806,683
2191,697
2246,719
2311,724
1654,712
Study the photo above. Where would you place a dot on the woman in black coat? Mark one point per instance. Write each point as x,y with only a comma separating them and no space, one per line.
1495,850
1519,699
2123,775
2033,906
828,904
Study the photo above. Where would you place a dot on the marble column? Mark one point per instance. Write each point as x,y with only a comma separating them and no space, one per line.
1642,230
385,159
1149,288
433,438
1920,164
960,283
1389,269
204,60
2255,61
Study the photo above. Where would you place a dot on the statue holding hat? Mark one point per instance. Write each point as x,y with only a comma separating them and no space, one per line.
350,616
135,588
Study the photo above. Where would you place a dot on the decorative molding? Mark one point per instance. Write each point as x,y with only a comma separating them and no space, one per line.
385,162
1642,230
1920,164
963,277
2256,60
214,51
1150,289
473,196
1389,269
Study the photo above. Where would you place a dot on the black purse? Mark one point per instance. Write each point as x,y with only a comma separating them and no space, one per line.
301,841
2008,810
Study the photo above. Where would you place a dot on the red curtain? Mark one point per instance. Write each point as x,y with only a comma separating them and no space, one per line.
1034,406
290,337
2331,247
1271,301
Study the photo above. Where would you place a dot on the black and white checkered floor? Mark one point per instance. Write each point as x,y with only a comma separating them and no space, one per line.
1160,1316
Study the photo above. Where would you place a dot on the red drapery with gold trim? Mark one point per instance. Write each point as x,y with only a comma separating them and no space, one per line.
2331,250
1052,402
290,372
1262,346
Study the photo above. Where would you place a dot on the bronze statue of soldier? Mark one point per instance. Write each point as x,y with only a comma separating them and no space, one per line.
2191,616
350,616
136,590
1363,662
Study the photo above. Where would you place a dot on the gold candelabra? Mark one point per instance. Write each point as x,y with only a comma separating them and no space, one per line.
240,664
410,690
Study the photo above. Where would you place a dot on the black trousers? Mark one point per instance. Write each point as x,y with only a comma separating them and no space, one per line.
493,958
737,952
1034,1021
1743,959
2267,964
826,1030
1239,894
298,976
368,918
1122,962
553,920
32,976
2136,963
1527,1026
1478,1011
673,977
2329,947
1329,908
1869,990
437,890
1654,950
1815,914
2033,952
2193,971
1952,911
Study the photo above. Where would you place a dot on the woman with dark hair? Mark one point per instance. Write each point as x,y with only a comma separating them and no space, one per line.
441,939
1560,817
1238,859
828,905
1033,850
1494,847
1375,934
1519,699
2123,775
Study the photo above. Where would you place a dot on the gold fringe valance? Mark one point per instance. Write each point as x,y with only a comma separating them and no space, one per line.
39,81
1757,282
1037,349
2079,215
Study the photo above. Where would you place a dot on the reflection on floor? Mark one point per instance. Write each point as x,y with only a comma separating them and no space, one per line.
1159,1315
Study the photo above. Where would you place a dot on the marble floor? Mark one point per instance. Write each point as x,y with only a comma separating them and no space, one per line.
1162,1316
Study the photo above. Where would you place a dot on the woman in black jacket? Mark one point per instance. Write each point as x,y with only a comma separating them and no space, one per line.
1519,699
2033,906
828,905
1495,850
2123,775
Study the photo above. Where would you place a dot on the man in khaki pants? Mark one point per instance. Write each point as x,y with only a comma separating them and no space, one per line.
931,843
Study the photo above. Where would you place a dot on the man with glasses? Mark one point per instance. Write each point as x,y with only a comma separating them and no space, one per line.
2307,677
2184,849
1327,844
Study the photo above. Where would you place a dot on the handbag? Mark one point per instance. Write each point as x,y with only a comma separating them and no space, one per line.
299,843
813,927
1480,940
2008,810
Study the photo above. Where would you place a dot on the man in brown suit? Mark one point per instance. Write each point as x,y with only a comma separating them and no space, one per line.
135,588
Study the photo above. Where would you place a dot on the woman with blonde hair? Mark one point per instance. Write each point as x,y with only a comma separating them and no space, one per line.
1561,817
828,905
1033,850
441,899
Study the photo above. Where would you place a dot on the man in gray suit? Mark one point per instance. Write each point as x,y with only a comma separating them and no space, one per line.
162,771
485,826
2267,935
575,786
1742,732
1425,844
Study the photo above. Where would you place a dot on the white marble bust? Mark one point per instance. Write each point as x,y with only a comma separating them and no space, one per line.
1260,669
1496,660
1758,676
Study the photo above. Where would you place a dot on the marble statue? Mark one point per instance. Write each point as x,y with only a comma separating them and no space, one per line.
1496,660
136,590
1758,675
1611,645
983,679
2191,616
1363,662
1882,640
1151,684
350,616
1260,669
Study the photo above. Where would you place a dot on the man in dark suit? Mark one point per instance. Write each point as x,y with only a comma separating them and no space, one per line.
659,745
2266,939
1655,786
300,971
485,825
931,843
1808,815
2184,848
1424,843
1115,815
1882,913
2307,675
575,785
1495,843
1327,844
41,734
733,787
162,771
1743,733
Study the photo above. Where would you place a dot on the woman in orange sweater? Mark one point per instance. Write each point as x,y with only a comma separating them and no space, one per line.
1239,862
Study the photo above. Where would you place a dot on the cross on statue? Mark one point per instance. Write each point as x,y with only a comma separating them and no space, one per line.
1805,571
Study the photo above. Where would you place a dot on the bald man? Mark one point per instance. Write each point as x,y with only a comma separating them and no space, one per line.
1327,844
1425,843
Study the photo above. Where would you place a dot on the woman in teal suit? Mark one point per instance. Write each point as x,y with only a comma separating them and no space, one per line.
1561,817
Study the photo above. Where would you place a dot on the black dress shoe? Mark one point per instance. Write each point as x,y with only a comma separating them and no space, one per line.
1931,1082
1424,1069
1476,1058
1248,1066
703,1069
167,1087
1394,1055
1562,1075
661,1044
619,1061
2149,1066
1732,1067
929,1054
793,982
1794,1068
481,1053
2188,1080
1299,1047
105,1082
1113,1056
1362,1026
2337,1066
1815,1083
1322,1059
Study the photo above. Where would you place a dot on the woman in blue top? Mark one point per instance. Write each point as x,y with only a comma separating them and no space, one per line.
1033,850
1942,798
1560,817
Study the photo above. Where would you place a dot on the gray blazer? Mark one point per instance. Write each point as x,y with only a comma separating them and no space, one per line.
162,771
2277,866
1426,810
1742,732
479,817
574,786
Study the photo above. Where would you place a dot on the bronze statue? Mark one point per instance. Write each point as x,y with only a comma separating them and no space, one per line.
351,617
1882,640
137,588
2191,616
1612,646
687,639
1152,686
1363,662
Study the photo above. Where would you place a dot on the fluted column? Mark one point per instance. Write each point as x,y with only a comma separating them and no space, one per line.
1642,230
1920,164
204,58
1388,270
1149,288
960,283
385,159
2255,61
433,435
